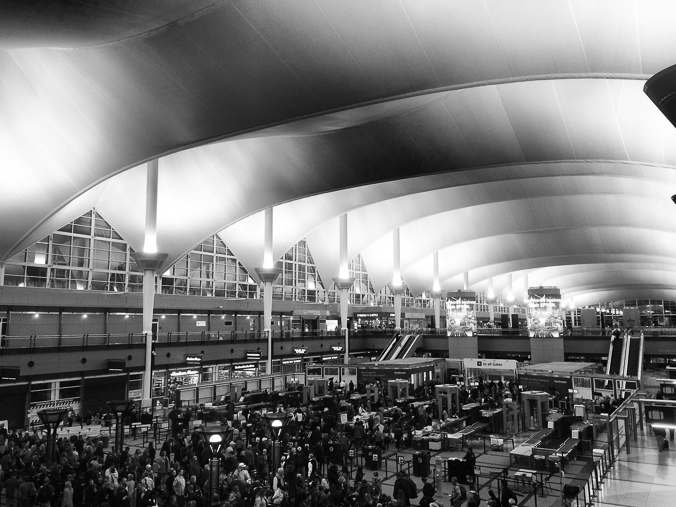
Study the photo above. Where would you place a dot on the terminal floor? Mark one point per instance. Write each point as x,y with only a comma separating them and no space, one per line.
642,478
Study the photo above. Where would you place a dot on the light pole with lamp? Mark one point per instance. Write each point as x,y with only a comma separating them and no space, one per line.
120,408
558,460
51,418
277,421
213,437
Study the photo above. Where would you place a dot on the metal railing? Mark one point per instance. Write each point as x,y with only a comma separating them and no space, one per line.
129,339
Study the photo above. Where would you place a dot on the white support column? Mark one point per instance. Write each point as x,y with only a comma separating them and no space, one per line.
268,274
465,280
396,287
149,261
436,291
525,288
490,298
343,283
510,294
150,243
267,324
2,273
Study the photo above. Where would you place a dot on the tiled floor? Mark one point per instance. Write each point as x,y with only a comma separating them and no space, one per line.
642,478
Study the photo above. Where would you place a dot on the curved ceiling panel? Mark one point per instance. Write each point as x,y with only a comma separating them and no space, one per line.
33,23
506,136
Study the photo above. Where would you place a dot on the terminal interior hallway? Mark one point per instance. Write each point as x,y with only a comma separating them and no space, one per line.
642,478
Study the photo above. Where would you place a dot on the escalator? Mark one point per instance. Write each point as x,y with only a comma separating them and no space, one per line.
403,343
409,350
615,355
635,356
401,346
390,346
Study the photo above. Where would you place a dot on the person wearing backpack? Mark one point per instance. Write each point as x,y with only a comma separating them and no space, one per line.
459,493
473,499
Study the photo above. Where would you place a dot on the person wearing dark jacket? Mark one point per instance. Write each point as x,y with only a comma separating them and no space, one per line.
507,494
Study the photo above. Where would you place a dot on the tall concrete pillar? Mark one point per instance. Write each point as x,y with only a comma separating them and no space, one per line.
343,283
150,260
510,293
465,280
268,274
2,274
490,299
396,287
436,291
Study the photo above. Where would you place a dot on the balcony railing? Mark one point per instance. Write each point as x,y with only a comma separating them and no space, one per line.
174,338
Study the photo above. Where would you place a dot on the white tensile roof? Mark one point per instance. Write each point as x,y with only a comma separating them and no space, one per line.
509,137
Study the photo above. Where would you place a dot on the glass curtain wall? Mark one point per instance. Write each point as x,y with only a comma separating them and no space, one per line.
88,254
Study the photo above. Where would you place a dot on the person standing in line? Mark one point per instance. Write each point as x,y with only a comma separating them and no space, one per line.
660,435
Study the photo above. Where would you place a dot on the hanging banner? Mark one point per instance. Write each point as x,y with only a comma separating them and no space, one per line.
461,313
545,316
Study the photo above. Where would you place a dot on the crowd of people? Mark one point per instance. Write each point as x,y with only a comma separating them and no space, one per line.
319,451
313,473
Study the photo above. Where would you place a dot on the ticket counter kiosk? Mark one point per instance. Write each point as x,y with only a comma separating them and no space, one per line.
535,408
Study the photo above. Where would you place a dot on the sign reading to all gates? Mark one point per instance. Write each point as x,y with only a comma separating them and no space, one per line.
490,364
337,348
299,351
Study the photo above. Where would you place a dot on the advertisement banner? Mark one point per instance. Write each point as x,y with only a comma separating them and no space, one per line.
546,383
545,316
461,313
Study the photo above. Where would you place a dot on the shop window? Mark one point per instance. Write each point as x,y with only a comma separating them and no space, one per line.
69,389
41,392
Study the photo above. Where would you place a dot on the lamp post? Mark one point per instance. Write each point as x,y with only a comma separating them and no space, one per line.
558,460
120,408
277,421
213,437
51,418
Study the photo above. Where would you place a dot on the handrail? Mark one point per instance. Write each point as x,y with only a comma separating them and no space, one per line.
170,338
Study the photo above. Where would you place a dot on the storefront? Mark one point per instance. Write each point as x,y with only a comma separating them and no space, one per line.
414,369
415,320
373,320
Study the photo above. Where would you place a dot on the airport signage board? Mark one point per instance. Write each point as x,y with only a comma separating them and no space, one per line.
490,364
